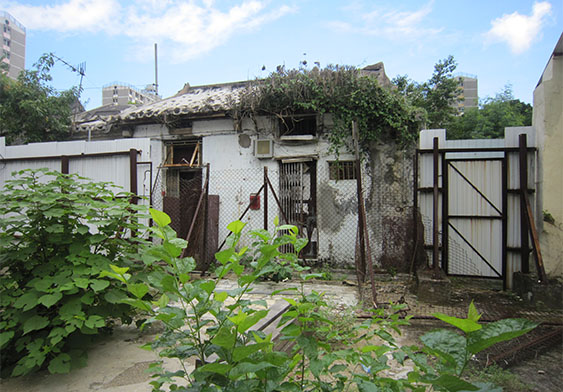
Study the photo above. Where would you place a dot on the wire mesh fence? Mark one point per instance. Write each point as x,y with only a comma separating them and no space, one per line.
302,193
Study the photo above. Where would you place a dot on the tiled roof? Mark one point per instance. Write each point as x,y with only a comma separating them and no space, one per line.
197,101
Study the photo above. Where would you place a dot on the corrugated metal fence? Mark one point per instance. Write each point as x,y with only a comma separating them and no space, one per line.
471,197
124,162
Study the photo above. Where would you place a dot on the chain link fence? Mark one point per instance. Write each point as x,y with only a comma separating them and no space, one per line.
308,195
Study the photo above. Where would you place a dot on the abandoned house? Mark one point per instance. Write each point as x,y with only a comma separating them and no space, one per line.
192,157
309,186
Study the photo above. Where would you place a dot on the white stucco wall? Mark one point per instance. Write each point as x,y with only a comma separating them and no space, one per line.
548,123
236,173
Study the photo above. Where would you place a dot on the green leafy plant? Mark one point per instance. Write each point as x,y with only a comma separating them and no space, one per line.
57,233
215,335
213,328
453,350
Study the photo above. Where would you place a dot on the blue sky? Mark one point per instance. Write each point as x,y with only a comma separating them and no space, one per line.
207,41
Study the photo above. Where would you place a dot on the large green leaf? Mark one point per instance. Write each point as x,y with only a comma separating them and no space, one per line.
34,323
5,337
245,368
27,301
447,345
251,320
454,384
242,352
60,364
219,368
159,217
472,313
236,226
172,249
115,296
224,338
98,284
466,325
498,331
138,289
94,322
49,300
208,286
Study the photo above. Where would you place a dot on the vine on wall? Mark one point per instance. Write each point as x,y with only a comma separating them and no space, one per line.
342,91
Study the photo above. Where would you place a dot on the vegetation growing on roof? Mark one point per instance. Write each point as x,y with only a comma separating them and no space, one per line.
342,91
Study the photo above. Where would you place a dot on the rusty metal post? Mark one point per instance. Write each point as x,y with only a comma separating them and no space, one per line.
133,174
362,213
133,181
361,268
206,218
445,212
504,222
524,229
435,238
265,197
65,165
277,201
196,213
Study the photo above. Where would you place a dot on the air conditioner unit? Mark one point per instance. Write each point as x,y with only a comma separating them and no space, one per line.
264,148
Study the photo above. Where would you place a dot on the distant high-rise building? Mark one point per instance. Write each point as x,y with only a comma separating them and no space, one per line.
469,92
119,93
13,44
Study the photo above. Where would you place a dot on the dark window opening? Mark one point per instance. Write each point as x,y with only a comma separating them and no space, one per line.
305,125
342,170
184,154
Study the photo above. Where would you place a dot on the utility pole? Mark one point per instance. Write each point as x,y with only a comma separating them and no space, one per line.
155,70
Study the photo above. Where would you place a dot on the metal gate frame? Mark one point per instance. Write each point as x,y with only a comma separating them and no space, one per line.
446,224
517,157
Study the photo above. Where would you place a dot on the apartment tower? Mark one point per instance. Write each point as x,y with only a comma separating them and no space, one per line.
13,44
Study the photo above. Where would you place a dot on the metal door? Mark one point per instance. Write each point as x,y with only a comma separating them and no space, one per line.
298,200
475,207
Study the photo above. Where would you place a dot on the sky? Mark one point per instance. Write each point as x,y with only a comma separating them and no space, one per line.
207,42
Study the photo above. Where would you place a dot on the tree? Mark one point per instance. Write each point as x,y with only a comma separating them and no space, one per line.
33,111
489,120
437,96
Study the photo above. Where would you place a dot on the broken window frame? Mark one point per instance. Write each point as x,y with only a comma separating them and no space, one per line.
303,127
193,160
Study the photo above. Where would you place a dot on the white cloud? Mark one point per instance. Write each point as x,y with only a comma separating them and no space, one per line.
519,31
189,27
71,16
391,23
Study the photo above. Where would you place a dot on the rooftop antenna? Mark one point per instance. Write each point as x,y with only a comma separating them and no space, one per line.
155,70
79,69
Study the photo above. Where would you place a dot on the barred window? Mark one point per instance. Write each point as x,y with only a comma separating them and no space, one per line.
342,170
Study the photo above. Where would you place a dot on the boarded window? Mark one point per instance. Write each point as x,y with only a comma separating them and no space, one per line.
342,170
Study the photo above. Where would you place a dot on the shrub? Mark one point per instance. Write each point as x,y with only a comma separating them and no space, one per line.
216,329
57,233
